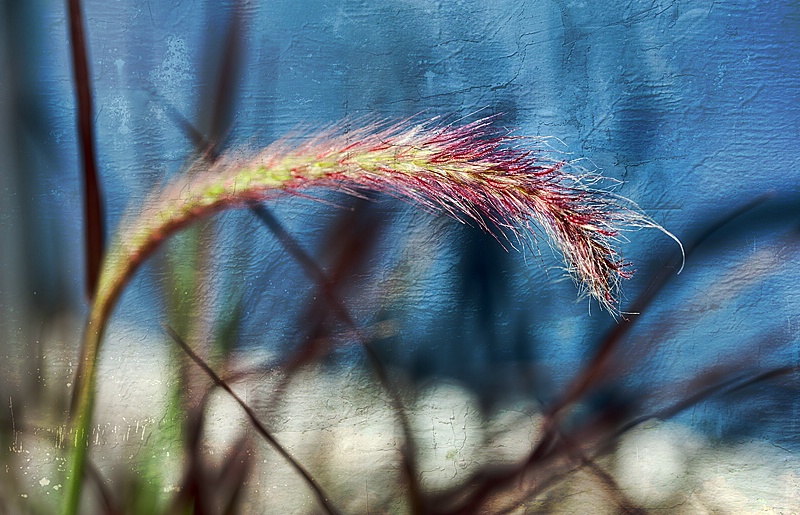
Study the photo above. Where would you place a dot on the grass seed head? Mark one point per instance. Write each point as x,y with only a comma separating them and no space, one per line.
472,172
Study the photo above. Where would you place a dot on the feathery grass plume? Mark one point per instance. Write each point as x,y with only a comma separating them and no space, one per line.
471,172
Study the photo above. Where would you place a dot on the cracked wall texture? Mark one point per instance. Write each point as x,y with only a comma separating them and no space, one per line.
693,106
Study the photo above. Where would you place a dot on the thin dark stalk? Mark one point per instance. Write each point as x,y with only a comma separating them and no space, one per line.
322,498
576,453
603,444
94,221
596,370
725,387
765,376
228,81
318,275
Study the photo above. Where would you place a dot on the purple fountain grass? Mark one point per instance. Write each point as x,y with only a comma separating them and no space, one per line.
472,172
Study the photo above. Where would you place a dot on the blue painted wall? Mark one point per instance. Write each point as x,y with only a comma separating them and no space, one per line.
693,106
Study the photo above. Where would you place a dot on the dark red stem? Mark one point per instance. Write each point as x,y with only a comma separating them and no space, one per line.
94,225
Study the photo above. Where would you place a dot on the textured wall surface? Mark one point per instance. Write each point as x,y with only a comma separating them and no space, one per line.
692,107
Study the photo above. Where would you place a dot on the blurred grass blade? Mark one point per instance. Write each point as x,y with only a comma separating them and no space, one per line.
327,287
312,483
596,370
224,71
